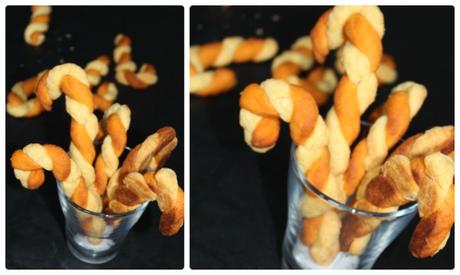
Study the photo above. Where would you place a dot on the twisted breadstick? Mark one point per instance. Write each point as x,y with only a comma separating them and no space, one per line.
170,198
72,81
320,83
261,108
219,54
232,50
402,105
403,165
290,63
29,163
212,82
386,72
105,95
18,102
125,68
117,120
38,25
359,31
97,68
287,66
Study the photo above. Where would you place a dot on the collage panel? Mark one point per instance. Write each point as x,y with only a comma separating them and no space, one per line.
321,137
95,131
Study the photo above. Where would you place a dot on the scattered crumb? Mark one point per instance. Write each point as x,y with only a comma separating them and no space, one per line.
68,35
259,31
199,27
21,65
276,18
59,39
71,48
61,61
257,15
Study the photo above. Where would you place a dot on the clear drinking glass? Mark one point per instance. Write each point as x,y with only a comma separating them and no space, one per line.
296,255
92,237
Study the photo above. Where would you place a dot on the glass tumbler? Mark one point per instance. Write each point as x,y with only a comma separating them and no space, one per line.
92,237
296,255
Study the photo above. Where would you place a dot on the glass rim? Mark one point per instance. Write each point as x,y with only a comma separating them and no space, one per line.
97,214
344,207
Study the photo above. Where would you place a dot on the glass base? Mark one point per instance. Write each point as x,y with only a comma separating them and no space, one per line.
91,259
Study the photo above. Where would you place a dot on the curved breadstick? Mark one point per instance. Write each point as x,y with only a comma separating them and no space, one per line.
18,102
125,68
233,49
29,163
170,199
290,63
218,54
105,95
97,68
321,82
117,120
358,30
71,80
262,106
386,72
38,25
402,105
212,82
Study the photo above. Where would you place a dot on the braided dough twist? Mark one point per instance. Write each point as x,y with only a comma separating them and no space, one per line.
290,63
320,82
97,68
170,199
18,102
402,105
126,68
358,30
71,80
386,72
233,49
29,163
117,120
105,95
38,25
212,82
263,105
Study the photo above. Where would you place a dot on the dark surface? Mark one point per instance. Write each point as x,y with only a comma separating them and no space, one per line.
34,221
238,198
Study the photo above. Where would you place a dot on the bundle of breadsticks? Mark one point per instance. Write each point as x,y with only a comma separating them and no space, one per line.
421,169
96,181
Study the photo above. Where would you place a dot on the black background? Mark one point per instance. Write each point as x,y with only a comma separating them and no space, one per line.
34,221
238,197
